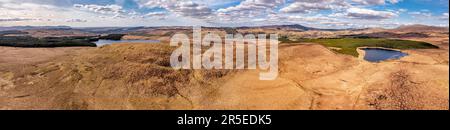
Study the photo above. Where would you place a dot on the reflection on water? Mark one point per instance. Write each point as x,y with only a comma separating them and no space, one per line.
107,42
377,54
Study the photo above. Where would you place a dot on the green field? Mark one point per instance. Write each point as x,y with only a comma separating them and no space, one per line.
349,45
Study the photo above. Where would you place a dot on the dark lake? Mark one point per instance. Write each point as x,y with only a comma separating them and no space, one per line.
377,54
107,42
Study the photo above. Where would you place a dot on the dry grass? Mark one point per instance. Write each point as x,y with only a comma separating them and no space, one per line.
149,62
139,76
120,76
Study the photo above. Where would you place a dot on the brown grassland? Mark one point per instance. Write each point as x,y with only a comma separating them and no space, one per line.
139,76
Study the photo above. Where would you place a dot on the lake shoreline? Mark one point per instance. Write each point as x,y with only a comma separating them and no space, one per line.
379,57
101,42
362,52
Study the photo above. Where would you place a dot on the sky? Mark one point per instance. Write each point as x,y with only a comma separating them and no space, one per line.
231,13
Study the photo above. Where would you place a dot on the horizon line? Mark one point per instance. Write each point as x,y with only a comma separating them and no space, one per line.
220,26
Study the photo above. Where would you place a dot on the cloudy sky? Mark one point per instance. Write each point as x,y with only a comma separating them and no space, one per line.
314,13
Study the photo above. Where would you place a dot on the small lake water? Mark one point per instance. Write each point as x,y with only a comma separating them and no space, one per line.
377,54
107,42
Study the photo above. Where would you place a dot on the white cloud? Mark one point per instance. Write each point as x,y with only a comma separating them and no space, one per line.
248,10
417,14
376,2
21,14
253,5
402,10
317,13
365,14
107,9
191,9
428,16
311,18
181,8
76,21
308,6
444,17
156,14
299,7
14,19
13,11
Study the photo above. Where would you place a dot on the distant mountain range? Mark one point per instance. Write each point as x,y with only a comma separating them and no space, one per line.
420,28
20,28
109,30
293,27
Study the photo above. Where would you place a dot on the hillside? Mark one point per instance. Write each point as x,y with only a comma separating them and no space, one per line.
420,28
139,76
136,76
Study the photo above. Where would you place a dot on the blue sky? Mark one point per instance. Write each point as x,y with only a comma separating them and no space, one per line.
314,13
